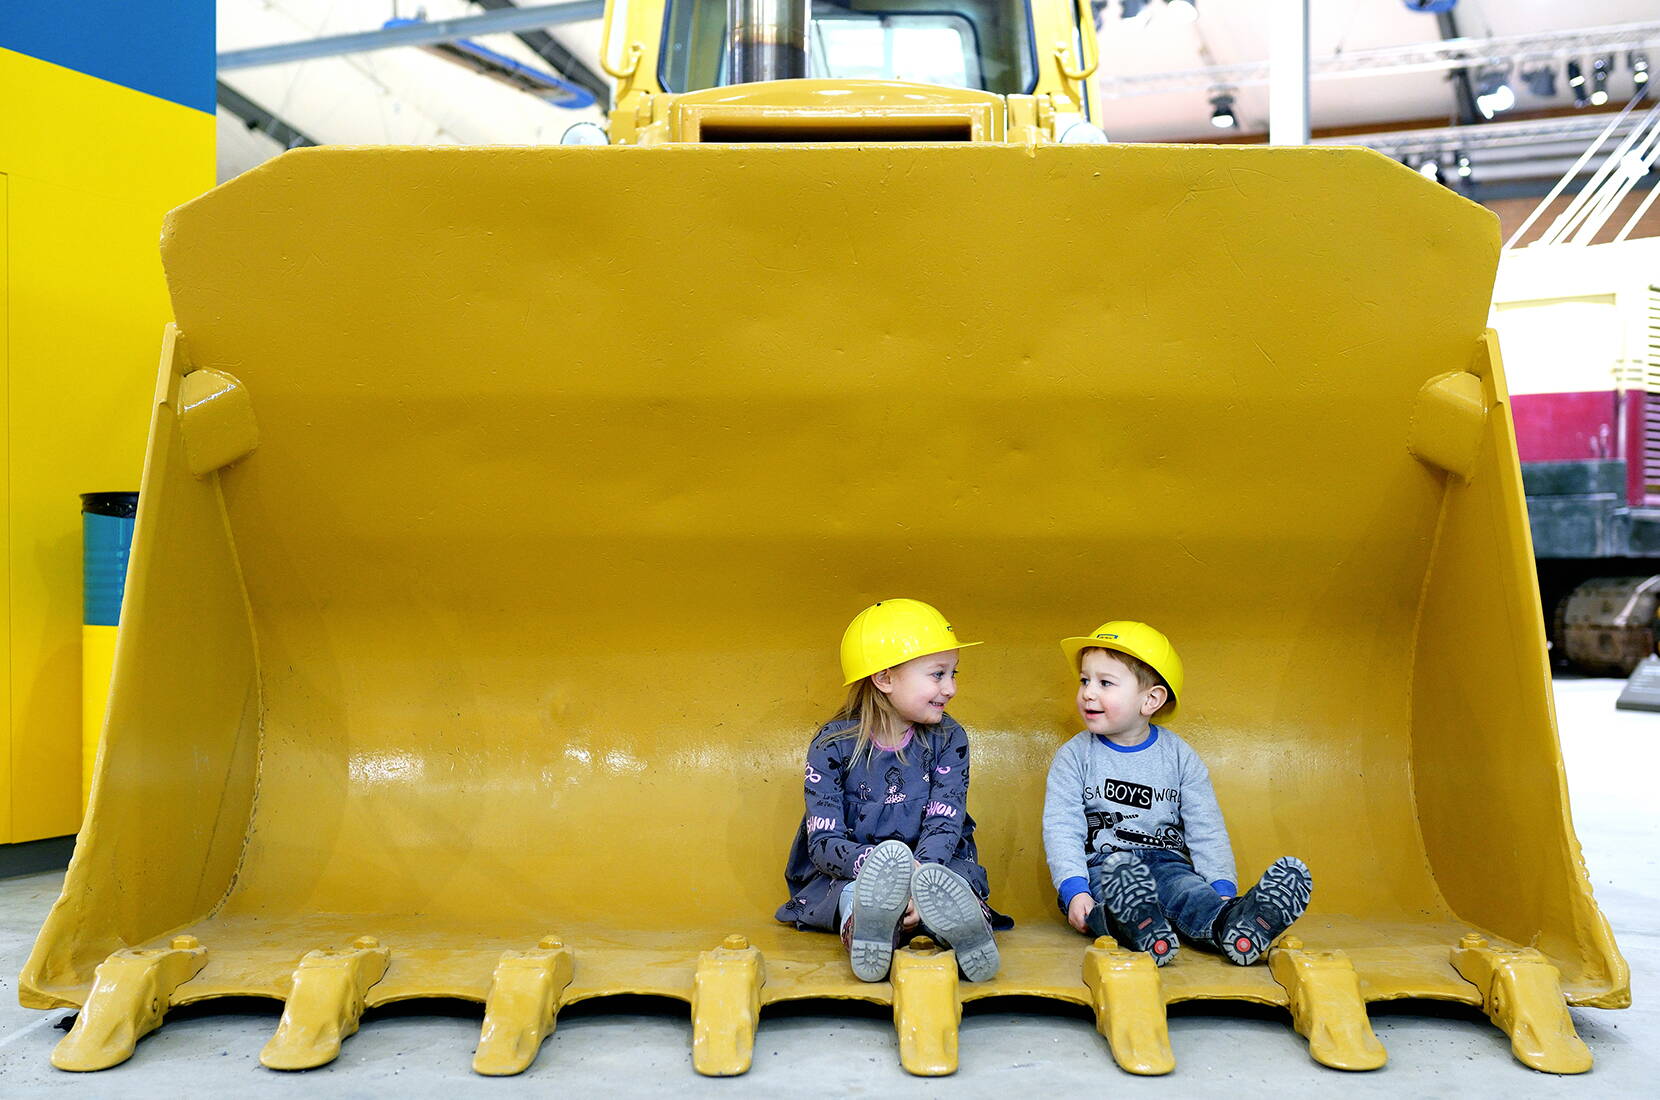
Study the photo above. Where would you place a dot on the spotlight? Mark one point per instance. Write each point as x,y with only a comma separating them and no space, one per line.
1541,82
1576,81
1430,169
1599,80
1222,114
1494,95
1463,166
1639,67
1185,10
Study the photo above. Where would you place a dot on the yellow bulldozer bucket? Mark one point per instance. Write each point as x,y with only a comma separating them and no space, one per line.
503,508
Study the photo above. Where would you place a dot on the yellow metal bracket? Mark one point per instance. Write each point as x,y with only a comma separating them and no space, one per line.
1326,1006
324,1004
1128,998
726,1007
520,1008
632,62
1448,422
1521,992
926,1009
1089,58
1022,124
131,992
631,53
216,418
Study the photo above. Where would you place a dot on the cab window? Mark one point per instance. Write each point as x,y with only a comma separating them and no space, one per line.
985,44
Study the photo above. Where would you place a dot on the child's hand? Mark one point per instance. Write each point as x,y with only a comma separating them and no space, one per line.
1078,912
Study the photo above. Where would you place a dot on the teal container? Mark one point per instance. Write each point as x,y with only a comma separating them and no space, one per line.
106,544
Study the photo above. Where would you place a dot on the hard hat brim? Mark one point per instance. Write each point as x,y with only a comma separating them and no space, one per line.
850,681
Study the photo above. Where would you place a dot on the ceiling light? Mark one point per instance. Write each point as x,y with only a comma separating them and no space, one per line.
1494,95
1639,67
1430,169
1185,10
1599,80
1222,115
1541,82
1576,81
1463,166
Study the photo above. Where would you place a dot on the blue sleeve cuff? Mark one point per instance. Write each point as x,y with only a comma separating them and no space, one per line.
1071,888
1225,888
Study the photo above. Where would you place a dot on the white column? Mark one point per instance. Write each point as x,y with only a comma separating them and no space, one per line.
1288,73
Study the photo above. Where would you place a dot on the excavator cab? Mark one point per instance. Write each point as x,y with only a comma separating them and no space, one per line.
751,71
502,508
982,44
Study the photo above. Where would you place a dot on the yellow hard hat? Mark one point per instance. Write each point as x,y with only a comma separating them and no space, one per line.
892,632
1138,640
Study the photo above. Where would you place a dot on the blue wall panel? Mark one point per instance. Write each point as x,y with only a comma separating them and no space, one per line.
161,47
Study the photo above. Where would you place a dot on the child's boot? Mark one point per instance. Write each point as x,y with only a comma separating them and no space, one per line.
1128,909
1253,921
949,908
880,894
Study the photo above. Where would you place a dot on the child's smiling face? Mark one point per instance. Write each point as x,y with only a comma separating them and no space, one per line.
920,688
1113,704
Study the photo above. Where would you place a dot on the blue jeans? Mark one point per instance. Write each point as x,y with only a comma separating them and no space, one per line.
1184,896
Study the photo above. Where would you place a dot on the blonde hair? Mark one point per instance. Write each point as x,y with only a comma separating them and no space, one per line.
874,720
1146,676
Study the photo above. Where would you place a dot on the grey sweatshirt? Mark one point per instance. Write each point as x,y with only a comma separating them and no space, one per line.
1104,799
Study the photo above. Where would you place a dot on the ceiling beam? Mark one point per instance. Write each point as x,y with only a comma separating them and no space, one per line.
260,119
550,49
1442,140
1418,57
506,21
1463,91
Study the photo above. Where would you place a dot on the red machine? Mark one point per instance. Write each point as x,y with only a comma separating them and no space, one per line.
1580,329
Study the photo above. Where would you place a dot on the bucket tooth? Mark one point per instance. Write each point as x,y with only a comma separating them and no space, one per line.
1521,992
926,1009
1128,998
520,1008
131,992
324,1004
726,1007
1326,1006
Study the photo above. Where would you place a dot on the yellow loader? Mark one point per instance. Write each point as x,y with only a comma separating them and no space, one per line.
503,506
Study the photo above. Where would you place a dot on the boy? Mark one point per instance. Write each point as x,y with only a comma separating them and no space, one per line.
1134,835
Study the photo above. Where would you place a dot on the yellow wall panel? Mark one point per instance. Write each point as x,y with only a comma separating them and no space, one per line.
5,507
92,168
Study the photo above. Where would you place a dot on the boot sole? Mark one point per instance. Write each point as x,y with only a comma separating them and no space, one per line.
1132,899
1282,896
950,909
879,896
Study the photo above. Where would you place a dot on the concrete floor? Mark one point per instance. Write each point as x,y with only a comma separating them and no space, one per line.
641,1048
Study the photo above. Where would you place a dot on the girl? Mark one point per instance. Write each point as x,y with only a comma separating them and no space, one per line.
886,844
